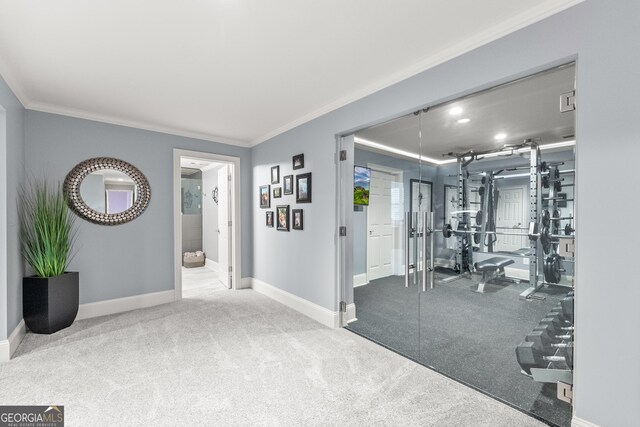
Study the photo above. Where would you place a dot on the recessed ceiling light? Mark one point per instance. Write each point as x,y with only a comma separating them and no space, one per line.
500,136
465,120
455,111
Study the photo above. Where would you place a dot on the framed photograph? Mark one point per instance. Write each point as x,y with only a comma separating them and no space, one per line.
269,218
303,188
297,219
298,161
275,175
282,214
287,181
277,192
361,185
265,196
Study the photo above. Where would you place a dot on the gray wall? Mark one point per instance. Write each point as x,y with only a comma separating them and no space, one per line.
602,36
137,257
210,215
11,178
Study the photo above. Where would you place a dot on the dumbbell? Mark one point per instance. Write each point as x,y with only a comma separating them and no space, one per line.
557,324
546,340
553,334
564,316
531,355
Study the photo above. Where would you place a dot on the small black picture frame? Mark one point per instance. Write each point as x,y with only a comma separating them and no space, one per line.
277,192
297,222
298,161
303,188
287,183
282,217
275,175
265,196
269,218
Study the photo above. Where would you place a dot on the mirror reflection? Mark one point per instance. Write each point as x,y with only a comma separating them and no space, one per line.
108,191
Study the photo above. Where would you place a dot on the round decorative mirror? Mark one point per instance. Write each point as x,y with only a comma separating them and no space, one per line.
107,191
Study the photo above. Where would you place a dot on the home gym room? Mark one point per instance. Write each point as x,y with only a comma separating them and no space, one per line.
462,250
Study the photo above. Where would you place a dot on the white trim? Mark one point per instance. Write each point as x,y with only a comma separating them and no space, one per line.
517,273
351,313
120,305
579,422
245,283
318,313
4,327
5,351
360,280
17,336
541,11
236,217
104,118
211,265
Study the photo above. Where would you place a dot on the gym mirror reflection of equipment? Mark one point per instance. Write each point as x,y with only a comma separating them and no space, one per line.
497,310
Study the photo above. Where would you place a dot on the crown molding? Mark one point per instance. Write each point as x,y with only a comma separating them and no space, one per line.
536,14
12,82
103,118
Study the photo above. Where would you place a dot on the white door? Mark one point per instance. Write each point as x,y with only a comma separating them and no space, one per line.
510,219
224,227
380,238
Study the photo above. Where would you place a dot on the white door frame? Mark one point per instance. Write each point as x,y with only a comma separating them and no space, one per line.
398,174
236,224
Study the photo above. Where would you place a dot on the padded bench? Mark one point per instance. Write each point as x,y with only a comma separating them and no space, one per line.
492,268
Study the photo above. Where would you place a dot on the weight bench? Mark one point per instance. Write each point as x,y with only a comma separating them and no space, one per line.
492,268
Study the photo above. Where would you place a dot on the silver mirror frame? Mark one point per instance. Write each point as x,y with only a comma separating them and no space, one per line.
79,173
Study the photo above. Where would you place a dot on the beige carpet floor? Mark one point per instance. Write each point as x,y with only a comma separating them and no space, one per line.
234,358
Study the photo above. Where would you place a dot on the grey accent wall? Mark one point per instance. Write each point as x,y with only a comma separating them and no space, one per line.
602,36
210,215
11,178
137,257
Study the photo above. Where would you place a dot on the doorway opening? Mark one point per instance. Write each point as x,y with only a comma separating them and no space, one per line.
483,223
206,223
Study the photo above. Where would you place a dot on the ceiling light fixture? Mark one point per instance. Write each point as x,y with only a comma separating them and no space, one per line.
500,136
465,120
455,111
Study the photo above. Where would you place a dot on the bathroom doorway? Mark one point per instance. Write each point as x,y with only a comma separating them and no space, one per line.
205,228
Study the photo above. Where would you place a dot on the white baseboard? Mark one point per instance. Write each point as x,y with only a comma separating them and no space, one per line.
516,273
578,422
318,313
5,351
351,313
10,345
245,284
211,264
120,305
360,280
16,336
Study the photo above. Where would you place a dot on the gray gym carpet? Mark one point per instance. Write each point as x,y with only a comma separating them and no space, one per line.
468,336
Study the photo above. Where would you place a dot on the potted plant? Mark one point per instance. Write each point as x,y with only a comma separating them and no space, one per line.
47,233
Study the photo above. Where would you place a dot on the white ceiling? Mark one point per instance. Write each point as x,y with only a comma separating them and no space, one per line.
234,71
528,108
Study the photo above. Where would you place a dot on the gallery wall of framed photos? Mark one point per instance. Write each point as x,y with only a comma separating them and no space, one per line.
284,217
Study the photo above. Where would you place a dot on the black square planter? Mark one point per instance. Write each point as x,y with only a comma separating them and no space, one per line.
50,304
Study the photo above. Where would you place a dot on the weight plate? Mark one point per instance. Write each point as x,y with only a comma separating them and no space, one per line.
546,217
479,217
552,267
545,181
568,230
476,238
557,186
543,166
545,240
556,222
481,191
446,231
556,173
